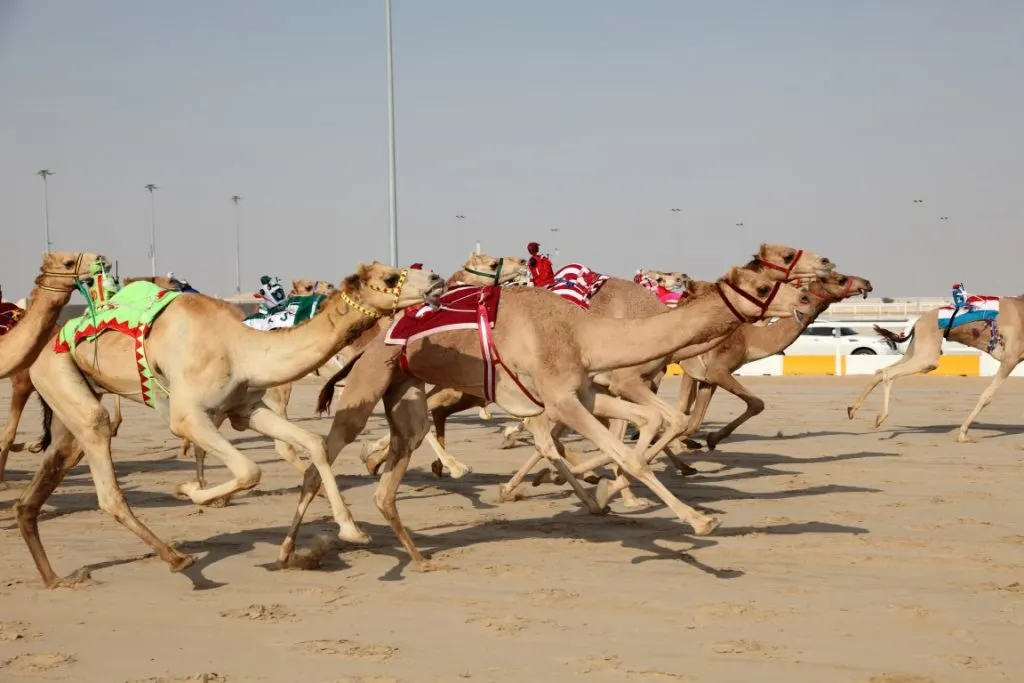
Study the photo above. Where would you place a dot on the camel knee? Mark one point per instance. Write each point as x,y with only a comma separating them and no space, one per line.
249,477
756,405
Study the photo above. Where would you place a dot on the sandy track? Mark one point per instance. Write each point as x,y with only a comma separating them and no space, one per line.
845,555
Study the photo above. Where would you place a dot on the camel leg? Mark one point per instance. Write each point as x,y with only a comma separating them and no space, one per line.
115,422
543,428
268,422
505,492
62,455
572,412
199,427
440,415
922,356
508,435
21,389
1006,366
78,410
278,398
755,406
405,405
687,394
350,417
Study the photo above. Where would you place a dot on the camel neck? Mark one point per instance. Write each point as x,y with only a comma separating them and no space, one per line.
609,343
281,356
20,347
767,340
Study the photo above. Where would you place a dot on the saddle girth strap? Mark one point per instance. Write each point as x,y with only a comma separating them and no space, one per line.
492,361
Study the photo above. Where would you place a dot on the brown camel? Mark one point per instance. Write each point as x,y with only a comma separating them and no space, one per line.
479,270
548,350
203,364
1002,338
620,298
61,273
708,371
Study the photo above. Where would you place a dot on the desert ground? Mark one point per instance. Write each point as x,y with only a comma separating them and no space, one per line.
846,554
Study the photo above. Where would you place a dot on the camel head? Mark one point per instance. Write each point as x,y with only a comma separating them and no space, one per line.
787,264
62,270
384,289
481,269
752,295
837,286
674,281
310,287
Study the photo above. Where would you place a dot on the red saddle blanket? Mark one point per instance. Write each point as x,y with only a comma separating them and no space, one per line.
9,316
459,310
577,283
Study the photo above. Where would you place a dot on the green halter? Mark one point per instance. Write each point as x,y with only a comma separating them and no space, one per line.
496,276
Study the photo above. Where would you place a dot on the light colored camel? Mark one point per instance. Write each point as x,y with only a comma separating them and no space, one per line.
479,270
22,390
310,287
61,273
207,364
1003,340
712,369
548,350
620,298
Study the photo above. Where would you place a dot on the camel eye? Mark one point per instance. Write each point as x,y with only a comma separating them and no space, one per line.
391,280
842,280
69,264
788,257
763,290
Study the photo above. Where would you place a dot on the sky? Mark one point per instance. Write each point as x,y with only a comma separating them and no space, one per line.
579,124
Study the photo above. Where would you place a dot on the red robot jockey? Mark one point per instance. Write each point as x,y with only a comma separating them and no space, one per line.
540,266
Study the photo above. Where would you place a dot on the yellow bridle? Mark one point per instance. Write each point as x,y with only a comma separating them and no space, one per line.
74,276
395,291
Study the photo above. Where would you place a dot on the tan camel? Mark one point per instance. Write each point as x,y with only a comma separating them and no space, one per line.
22,390
61,273
620,298
548,350
204,364
708,371
309,287
1002,338
478,270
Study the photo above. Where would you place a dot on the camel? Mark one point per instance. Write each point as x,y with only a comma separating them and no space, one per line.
22,389
199,363
619,298
309,287
1002,338
478,270
61,273
673,280
541,354
712,369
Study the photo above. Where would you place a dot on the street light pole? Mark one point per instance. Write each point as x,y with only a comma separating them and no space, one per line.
238,244
152,229
44,174
393,228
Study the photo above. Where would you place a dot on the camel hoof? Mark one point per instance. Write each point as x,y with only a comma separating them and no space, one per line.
461,471
850,412
635,503
589,478
602,493
354,536
426,566
713,441
76,579
4,486
437,467
508,442
693,445
965,439
181,563
705,526
507,495
187,489
545,476
878,421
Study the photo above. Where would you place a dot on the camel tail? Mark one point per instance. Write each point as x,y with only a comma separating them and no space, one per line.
47,438
323,401
895,338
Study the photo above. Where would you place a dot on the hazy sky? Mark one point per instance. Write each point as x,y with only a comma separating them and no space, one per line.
815,124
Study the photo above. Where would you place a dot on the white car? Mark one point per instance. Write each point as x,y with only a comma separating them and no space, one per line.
820,340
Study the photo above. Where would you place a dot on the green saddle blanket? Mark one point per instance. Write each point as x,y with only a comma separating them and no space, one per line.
131,312
292,311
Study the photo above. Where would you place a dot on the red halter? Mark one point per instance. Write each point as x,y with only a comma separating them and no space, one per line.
752,299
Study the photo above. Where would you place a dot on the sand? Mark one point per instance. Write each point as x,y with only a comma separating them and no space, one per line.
845,554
